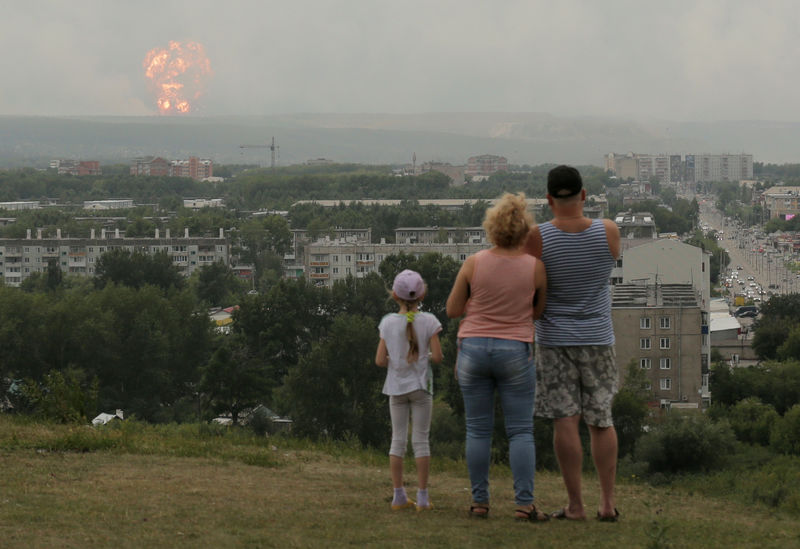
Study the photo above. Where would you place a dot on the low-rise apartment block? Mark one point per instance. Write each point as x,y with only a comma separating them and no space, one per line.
20,258
327,261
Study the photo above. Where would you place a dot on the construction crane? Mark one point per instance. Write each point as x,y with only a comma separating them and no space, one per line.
273,148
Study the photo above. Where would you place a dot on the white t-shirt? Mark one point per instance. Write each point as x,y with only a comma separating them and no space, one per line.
402,377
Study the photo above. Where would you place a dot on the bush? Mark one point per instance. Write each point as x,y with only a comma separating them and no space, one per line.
685,443
66,397
448,432
752,420
785,435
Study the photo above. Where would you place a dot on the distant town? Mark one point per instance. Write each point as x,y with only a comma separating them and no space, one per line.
673,301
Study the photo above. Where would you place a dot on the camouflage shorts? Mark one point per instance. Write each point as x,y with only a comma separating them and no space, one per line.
579,380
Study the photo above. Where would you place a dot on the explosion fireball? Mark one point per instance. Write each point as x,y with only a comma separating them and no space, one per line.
177,76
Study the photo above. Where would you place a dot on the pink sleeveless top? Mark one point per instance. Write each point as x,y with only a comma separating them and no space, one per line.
501,297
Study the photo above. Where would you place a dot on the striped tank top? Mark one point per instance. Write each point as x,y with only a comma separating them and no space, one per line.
578,265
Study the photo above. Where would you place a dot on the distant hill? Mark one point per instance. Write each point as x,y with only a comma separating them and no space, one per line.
524,138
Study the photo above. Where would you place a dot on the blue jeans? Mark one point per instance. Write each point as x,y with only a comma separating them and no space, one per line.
486,364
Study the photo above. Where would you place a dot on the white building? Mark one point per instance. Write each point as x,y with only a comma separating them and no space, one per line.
21,257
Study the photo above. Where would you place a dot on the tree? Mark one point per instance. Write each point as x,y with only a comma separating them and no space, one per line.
335,390
752,420
280,326
367,296
233,380
136,269
785,436
771,333
629,408
217,284
260,238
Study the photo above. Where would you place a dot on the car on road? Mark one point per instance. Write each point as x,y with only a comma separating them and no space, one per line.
748,314
746,309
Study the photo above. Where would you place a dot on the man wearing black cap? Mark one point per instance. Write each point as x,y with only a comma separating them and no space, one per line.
576,373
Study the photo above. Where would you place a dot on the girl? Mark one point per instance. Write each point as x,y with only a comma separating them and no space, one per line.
409,339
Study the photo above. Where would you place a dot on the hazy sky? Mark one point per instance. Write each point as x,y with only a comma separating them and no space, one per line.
678,60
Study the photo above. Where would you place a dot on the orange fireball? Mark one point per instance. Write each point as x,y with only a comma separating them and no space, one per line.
177,75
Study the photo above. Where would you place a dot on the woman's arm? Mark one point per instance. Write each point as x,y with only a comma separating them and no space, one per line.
456,302
436,349
540,283
382,355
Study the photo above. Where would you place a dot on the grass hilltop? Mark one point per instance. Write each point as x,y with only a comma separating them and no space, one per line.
135,485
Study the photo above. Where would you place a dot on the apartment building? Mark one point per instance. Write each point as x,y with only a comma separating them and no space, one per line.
660,327
485,165
720,167
112,204
670,168
782,202
76,167
195,168
437,235
20,205
20,258
327,261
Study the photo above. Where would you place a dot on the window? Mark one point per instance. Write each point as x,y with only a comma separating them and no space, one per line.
336,270
644,323
663,343
647,386
665,363
644,343
644,363
348,259
664,322
336,259
665,383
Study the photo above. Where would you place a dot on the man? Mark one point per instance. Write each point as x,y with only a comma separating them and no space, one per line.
576,373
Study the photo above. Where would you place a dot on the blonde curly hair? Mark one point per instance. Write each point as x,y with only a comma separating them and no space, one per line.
507,223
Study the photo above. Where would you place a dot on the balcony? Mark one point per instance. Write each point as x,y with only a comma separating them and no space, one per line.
318,263
318,276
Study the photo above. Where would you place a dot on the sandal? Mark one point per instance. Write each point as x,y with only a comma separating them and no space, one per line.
608,518
530,514
479,510
561,514
407,505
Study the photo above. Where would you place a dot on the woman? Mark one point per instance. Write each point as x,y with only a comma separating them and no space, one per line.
501,291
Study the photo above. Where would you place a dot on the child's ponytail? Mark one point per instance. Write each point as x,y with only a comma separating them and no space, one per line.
411,335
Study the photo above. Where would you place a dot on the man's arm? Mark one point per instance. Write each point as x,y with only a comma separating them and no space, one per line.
612,235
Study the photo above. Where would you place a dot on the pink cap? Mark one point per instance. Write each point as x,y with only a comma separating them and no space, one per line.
408,285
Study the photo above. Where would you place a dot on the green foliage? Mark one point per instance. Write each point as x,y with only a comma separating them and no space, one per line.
279,327
64,397
785,436
137,269
233,380
771,333
685,443
752,420
367,296
775,383
630,409
335,390
448,432
216,285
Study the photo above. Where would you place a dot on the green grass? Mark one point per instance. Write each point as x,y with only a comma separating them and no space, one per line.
135,485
